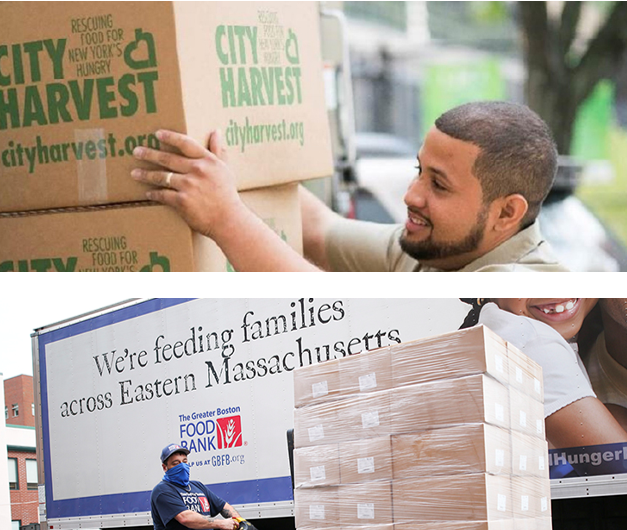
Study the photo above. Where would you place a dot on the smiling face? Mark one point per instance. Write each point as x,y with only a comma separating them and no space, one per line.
446,220
565,315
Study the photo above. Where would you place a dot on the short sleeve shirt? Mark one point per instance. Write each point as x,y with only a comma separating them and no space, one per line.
168,500
565,377
360,246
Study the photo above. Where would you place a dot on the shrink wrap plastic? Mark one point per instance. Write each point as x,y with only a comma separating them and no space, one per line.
437,434
471,351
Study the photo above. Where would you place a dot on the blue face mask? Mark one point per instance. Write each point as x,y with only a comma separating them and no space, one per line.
178,474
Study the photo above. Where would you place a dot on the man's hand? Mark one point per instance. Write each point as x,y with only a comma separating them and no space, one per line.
196,521
226,524
196,182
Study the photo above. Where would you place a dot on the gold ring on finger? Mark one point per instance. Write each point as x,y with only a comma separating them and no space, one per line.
168,180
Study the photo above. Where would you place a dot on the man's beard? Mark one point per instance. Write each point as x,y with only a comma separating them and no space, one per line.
430,250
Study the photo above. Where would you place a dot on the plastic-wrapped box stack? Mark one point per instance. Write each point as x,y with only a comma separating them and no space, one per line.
437,434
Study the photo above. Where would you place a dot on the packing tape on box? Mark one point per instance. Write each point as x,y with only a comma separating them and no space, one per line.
91,167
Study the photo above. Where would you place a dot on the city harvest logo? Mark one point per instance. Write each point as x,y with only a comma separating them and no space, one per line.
229,432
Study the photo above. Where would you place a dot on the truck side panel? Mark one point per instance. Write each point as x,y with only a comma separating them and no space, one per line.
212,375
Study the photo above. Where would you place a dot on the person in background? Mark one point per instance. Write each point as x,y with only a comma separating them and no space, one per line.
602,346
547,330
180,503
484,171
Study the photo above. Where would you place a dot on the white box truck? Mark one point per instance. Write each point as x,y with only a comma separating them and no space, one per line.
115,386
214,375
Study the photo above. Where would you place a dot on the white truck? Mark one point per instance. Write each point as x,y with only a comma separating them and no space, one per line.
214,375
115,386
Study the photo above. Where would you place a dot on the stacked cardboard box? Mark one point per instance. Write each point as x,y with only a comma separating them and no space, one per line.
131,238
83,84
442,433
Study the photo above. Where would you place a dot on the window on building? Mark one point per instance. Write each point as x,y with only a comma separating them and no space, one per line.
16,525
32,409
6,413
393,14
31,474
13,482
16,410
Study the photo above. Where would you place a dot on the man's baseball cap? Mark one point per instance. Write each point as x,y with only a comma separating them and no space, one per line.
169,450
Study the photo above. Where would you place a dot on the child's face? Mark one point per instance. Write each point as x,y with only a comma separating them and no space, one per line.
565,315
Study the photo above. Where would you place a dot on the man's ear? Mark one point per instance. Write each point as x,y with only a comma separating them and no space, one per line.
509,212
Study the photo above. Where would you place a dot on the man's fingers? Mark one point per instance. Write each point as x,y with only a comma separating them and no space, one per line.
217,145
186,145
170,161
164,179
163,196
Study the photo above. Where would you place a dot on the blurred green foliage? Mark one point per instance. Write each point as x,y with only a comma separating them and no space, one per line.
490,12
489,26
609,200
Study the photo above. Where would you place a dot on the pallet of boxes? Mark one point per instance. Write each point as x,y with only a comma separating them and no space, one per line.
84,83
442,433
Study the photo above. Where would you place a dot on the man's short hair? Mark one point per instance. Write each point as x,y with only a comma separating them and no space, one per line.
518,152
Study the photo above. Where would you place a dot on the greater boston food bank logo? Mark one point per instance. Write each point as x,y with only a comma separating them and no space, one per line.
229,431
211,430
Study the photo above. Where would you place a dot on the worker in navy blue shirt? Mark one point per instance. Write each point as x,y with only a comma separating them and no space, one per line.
179,503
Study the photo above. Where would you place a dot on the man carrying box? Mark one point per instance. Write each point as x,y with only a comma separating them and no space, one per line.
484,171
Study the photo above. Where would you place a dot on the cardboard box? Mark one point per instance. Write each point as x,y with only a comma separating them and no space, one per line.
531,497
368,503
474,497
529,456
321,382
527,414
316,466
537,523
364,416
316,507
343,420
316,383
389,526
106,75
316,425
132,239
470,351
366,372
366,460
525,374
472,448
501,524
472,399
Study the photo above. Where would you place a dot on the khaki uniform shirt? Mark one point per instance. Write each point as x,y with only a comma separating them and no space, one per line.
359,246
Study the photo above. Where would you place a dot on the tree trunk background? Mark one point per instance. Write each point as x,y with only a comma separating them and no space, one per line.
558,82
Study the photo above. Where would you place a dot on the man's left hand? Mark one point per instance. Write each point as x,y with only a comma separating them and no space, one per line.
196,181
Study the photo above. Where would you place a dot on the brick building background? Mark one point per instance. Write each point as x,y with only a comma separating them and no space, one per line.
25,499
21,450
19,400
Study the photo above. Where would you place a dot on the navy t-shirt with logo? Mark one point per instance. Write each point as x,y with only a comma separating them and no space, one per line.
168,500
